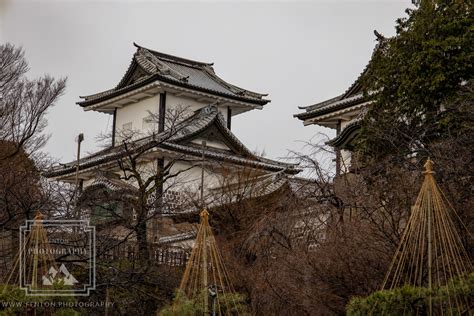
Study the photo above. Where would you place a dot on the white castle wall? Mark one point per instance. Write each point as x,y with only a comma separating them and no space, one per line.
132,116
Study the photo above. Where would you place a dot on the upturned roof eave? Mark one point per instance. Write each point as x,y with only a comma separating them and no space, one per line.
208,154
175,58
346,134
330,108
353,90
157,77
161,141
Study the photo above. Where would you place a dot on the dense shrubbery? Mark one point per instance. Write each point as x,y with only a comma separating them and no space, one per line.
410,300
423,78
13,301
183,306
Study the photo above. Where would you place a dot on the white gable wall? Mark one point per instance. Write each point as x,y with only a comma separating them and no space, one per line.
215,144
173,101
132,115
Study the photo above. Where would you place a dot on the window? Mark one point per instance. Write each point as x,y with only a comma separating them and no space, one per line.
147,122
127,126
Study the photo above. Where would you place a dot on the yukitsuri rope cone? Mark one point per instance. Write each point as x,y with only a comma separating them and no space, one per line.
35,266
430,253
205,279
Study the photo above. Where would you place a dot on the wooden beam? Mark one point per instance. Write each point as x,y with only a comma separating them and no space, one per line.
162,112
229,117
160,165
345,117
114,126
133,100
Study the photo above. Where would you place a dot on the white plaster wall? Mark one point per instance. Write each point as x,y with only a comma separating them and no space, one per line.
345,160
135,113
188,181
88,182
344,123
223,111
191,179
215,144
173,101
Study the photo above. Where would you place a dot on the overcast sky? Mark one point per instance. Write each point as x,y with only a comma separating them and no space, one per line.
298,52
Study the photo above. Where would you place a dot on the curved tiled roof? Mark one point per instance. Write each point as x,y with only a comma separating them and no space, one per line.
330,107
175,140
351,96
157,66
112,184
189,235
348,133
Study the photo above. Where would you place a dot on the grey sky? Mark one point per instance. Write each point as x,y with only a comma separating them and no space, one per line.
298,53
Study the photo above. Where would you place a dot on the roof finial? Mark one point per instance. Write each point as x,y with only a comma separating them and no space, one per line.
379,36
38,216
204,215
428,166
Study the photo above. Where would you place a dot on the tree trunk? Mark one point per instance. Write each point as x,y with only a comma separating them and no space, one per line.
141,230
142,241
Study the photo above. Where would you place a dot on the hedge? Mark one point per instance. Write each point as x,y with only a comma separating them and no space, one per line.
409,300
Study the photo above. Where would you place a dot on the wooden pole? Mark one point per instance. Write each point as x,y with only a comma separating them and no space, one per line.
429,173
80,138
202,173
204,219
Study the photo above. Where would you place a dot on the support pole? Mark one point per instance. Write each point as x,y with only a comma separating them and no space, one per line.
429,173
202,173
205,220
78,189
80,138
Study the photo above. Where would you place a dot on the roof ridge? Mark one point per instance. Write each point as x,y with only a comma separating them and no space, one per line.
322,103
174,58
221,123
347,94
148,66
353,87
231,87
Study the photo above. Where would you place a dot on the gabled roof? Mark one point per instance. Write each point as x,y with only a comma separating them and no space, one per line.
112,184
252,188
148,66
165,240
328,107
352,96
347,134
179,140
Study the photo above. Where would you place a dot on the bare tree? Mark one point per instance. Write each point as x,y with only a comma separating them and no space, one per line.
310,251
23,107
24,102
129,219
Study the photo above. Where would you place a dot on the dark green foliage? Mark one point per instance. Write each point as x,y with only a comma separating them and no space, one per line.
423,78
183,306
133,287
13,301
414,301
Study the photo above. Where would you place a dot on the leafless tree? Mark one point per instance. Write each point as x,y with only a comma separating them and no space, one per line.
24,102
311,251
151,192
23,107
